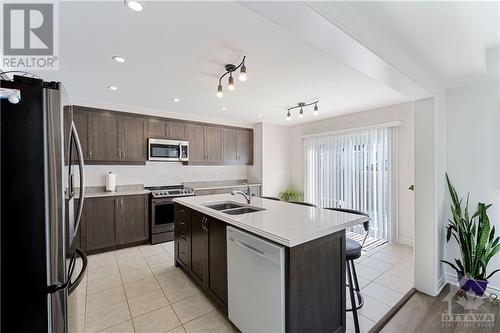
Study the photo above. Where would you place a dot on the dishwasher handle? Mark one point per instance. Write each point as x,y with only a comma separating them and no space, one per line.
250,248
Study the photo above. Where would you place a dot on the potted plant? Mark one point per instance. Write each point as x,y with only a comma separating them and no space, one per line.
291,194
476,241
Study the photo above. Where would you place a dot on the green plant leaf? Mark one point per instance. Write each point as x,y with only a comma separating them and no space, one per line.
491,274
452,265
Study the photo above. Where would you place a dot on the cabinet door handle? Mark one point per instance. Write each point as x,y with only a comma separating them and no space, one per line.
116,202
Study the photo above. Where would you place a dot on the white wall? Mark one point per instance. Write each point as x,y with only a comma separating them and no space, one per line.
400,112
162,173
255,171
472,154
427,224
276,151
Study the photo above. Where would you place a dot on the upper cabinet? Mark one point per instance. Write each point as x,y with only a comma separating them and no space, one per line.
171,130
205,144
121,138
132,139
238,146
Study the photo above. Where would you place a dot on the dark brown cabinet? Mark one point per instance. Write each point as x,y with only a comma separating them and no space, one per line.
238,146
208,261
176,131
135,218
117,137
102,227
213,144
182,236
115,221
132,139
196,144
172,130
217,259
198,247
205,144
105,129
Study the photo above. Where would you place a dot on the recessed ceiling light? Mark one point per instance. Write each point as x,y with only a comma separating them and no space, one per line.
114,88
223,108
260,115
119,59
134,5
176,100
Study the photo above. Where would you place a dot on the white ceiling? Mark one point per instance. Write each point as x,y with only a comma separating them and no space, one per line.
178,49
449,39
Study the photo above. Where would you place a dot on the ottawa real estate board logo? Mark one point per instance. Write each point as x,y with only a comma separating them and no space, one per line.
30,36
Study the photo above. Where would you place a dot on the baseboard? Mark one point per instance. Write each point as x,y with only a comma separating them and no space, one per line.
405,241
441,284
452,279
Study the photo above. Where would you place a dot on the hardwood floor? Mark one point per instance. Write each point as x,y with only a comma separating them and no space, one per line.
451,311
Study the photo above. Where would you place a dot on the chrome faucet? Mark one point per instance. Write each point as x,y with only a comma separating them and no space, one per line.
247,194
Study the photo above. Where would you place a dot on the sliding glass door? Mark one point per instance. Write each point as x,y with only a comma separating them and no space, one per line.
352,170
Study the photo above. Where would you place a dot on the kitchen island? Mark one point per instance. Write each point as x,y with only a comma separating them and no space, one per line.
314,253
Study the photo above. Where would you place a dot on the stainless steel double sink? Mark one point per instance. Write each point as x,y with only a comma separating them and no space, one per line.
232,208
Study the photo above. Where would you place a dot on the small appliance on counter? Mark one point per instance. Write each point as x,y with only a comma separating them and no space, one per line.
162,211
111,182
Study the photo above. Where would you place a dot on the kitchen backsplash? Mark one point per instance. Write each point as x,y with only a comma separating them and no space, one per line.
161,173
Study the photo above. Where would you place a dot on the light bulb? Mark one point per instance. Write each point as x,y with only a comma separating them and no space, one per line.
288,116
13,98
243,74
316,111
219,91
230,84
134,5
301,113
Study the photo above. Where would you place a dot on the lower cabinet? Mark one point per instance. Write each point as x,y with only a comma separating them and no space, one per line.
208,256
112,222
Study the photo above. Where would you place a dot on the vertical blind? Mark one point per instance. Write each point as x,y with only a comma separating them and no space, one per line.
352,170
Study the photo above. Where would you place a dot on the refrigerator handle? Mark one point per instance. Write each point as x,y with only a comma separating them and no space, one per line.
56,287
81,197
72,285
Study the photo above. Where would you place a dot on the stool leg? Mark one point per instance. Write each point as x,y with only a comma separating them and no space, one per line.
355,275
353,301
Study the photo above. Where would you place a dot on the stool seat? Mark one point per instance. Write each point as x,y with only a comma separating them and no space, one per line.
352,249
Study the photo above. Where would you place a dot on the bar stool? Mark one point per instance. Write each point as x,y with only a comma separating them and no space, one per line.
303,203
271,198
353,252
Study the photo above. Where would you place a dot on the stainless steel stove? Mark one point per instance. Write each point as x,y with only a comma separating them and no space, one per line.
170,191
162,211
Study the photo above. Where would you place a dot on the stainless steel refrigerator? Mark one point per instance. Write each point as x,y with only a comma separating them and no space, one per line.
39,219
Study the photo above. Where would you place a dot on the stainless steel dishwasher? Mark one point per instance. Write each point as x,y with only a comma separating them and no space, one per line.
256,283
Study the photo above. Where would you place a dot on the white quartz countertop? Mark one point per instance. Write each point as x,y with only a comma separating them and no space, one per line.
284,223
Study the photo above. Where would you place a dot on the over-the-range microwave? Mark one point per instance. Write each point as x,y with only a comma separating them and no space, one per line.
168,150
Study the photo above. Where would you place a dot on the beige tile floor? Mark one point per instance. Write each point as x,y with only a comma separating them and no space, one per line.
385,275
140,290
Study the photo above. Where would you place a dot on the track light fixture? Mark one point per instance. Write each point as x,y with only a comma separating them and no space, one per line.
302,105
230,68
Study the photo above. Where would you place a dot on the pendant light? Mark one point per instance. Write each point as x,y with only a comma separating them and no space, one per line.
302,105
230,68
230,82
